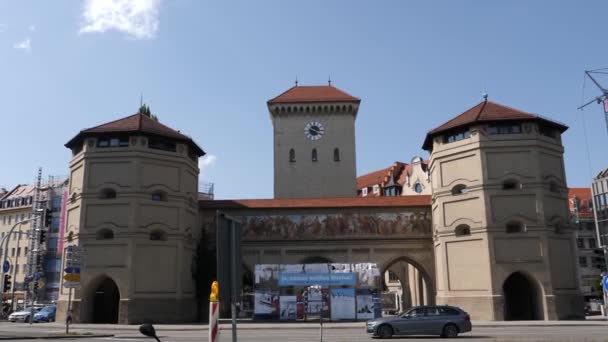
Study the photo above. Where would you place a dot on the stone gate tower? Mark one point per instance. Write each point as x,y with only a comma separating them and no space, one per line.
314,142
504,248
133,208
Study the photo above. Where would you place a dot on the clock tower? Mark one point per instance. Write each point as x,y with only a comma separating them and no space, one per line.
314,142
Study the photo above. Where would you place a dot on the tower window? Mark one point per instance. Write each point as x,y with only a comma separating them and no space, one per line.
504,129
418,188
457,136
514,227
510,184
113,142
553,187
292,155
459,189
159,196
158,235
162,144
105,234
314,155
336,154
462,230
107,193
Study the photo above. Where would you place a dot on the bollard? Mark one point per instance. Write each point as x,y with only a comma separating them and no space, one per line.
214,313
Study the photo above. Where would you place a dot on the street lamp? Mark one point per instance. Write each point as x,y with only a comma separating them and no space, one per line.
6,239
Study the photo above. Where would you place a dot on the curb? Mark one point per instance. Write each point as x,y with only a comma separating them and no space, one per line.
48,337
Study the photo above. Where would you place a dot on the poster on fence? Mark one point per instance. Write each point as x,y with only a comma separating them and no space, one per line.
342,304
266,304
288,308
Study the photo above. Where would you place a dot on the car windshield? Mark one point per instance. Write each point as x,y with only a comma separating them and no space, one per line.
48,309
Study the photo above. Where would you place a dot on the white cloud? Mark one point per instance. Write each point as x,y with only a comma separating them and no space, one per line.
205,162
137,18
24,45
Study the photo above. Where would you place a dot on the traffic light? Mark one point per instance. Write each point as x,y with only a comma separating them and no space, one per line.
42,236
48,217
7,283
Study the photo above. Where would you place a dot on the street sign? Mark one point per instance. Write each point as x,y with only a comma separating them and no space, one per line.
6,266
72,277
605,283
72,269
71,284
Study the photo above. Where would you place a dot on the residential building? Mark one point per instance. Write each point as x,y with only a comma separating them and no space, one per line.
399,179
590,258
600,194
16,206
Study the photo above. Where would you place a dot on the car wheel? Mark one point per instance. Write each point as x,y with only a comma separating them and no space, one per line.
450,331
384,331
27,319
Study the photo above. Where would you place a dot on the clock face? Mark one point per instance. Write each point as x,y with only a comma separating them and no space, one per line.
314,130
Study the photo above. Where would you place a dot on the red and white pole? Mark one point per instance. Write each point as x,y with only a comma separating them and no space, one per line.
214,313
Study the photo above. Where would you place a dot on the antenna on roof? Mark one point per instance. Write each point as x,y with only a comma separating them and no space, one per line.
141,99
485,96
329,80
296,81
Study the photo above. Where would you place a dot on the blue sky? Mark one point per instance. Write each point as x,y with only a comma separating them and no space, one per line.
208,68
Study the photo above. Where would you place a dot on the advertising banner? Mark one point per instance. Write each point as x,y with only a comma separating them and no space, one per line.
266,304
342,304
325,279
365,305
288,308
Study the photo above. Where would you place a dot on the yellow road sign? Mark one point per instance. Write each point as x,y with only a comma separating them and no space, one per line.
71,277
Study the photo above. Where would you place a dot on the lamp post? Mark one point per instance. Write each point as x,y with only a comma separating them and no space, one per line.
6,239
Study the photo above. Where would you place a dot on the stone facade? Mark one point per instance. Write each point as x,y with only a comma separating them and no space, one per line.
314,145
502,233
133,208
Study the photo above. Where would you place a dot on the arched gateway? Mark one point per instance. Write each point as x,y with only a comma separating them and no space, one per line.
101,301
384,231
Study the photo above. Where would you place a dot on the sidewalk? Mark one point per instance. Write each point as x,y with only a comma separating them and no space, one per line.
35,335
249,325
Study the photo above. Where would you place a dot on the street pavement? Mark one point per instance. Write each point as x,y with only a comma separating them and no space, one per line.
335,332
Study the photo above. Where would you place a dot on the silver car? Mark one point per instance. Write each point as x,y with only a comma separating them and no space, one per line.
447,321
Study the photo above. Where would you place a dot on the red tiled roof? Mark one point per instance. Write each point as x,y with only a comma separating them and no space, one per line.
375,177
300,94
580,193
583,195
136,123
338,202
487,111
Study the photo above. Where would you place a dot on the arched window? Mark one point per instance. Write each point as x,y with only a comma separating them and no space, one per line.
159,196
292,155
462,230
553,187
314,155
459,189
514,227
107,193
510,184
105,234
158,235
336,154
418,188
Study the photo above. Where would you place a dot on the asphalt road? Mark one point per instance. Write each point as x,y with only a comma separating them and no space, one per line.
583,333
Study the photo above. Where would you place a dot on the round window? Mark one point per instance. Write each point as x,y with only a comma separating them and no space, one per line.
418,188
